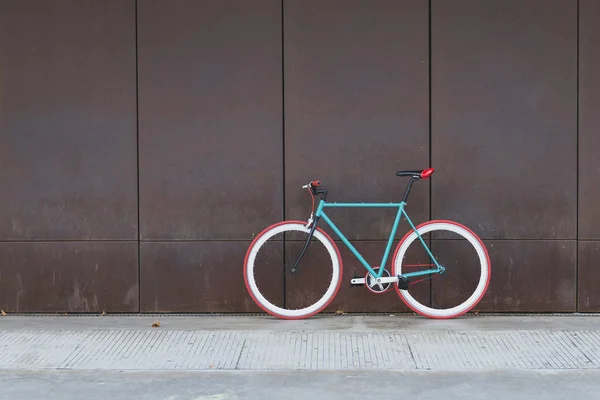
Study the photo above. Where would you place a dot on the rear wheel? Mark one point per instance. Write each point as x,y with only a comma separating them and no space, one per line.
269,281
466,276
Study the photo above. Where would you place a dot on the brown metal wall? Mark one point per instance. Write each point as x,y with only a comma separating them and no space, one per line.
589,155
210,142
218,111
504,140
68,169
356,111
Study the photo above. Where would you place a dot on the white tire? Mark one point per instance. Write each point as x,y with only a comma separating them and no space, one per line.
335,265
484,269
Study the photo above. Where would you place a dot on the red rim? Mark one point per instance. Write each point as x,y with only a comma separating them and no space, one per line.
246,273
487,256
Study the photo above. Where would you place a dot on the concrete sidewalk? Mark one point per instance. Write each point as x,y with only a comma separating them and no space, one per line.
395,343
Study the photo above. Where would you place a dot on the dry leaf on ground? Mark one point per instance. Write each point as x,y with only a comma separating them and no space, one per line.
156,324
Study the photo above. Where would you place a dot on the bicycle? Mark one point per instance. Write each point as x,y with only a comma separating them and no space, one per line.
377,278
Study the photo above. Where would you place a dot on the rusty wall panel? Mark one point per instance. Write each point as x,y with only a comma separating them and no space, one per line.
210,109
356,106
589,276
68,166
589,120
202,277
504,116
69,277
527,275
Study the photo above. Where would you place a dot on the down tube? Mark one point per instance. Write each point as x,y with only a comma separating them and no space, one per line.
347,243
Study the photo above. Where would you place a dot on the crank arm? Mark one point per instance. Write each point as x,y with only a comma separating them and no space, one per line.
387,279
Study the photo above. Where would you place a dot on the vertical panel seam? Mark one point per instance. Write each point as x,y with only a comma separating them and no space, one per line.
283,180
430,141
137,133
577,175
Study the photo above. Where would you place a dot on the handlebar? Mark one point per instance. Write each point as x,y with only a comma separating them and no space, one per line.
312,184
312,187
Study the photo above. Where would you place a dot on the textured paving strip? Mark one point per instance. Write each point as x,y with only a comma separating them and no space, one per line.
159,349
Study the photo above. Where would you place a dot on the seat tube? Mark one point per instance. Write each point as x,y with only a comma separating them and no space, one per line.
390,240
407,191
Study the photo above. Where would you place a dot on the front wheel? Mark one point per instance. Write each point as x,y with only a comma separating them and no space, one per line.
268,277
467,269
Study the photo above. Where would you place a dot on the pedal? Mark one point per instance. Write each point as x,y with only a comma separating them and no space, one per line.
402,282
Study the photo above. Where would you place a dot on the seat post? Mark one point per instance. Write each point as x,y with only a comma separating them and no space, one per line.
407,191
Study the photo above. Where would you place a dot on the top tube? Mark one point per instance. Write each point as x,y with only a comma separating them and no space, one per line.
326,204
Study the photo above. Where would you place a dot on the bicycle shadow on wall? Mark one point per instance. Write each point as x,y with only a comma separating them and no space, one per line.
447,253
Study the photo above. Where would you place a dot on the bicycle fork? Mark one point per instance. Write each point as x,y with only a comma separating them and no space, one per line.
312,186
310,235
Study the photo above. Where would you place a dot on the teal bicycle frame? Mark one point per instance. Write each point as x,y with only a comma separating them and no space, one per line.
320,213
